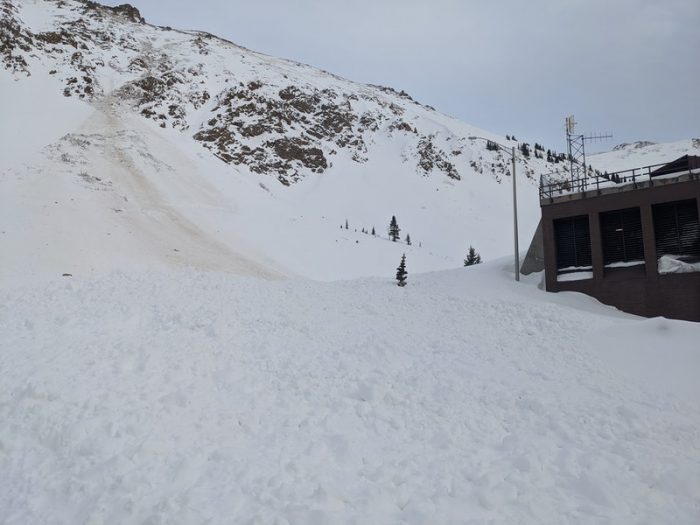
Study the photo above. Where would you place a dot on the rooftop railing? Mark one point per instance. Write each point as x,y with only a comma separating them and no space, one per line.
556,184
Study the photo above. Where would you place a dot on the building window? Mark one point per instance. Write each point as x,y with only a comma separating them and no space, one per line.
621,236
573,245
677,232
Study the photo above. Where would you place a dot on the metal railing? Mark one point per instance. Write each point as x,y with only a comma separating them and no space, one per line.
560,183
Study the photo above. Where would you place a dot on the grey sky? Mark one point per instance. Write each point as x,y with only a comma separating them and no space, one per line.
631,67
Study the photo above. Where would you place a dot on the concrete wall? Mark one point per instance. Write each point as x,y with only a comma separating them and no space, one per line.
534,260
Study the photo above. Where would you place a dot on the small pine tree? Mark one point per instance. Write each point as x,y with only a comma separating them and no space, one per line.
473,257
373,232
346,224
401,273
394,229
408,239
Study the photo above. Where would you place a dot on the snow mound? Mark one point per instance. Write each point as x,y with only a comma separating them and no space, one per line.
676,264
190,397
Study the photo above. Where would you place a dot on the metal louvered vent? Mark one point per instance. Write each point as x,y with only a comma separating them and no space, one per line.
677,229
621,232
573,242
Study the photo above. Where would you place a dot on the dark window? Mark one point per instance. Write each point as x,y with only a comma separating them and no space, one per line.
621,235
677,229
573,239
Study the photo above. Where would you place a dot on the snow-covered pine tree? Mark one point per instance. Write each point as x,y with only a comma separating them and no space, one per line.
473,257
394,230
346,224
373,232
401,273
408,239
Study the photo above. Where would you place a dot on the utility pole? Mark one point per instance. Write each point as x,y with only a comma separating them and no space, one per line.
511,152
515,219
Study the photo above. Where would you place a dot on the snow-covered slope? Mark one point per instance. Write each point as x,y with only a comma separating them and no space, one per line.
131,144
189,397
643,153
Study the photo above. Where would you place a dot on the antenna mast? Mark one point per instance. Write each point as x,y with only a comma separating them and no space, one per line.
577,148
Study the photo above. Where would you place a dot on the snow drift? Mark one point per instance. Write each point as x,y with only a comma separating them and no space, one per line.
193,397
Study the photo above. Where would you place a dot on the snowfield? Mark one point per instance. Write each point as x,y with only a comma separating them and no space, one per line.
190,397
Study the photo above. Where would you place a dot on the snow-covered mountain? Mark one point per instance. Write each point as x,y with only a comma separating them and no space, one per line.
261,114
643,153
130,142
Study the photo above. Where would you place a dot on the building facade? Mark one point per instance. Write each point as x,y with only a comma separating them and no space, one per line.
630,242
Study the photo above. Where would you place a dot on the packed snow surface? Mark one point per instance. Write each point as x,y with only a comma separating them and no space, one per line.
191,397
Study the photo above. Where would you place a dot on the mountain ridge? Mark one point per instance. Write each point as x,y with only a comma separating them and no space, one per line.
270,115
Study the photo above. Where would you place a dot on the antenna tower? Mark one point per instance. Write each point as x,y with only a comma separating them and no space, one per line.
577,148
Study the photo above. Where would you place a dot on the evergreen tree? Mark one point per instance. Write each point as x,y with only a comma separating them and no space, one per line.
401,273
473,257
394,230
346,224
408,239
373,232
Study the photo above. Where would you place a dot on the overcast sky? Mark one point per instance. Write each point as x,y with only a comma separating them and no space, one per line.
630,67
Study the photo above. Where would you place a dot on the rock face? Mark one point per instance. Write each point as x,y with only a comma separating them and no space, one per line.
14,40
265,115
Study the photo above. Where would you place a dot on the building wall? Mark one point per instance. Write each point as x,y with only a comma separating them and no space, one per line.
640,289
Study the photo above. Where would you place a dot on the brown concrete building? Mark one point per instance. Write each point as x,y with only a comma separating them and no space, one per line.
631,239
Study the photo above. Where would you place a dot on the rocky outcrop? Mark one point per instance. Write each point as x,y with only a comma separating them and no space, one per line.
270,116
13,39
